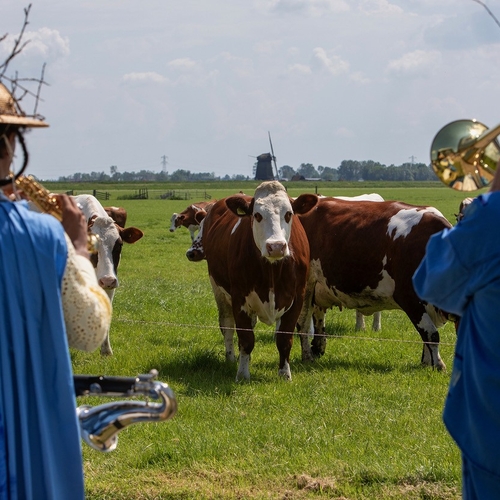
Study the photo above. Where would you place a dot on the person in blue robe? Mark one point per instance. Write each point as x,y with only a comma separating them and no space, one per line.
40,446
460,273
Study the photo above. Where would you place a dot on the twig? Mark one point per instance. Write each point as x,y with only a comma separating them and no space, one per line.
488,10
17,48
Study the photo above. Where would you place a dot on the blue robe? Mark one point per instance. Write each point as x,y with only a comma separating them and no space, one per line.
460,273
40,447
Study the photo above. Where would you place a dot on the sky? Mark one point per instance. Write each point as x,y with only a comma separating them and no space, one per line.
197,85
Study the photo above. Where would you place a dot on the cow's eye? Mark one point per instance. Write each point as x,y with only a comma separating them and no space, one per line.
257,217
288,217
93,259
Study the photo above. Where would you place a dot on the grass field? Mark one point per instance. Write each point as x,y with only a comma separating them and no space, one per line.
363,422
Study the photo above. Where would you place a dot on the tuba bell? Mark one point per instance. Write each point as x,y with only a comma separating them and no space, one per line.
99,425
465,153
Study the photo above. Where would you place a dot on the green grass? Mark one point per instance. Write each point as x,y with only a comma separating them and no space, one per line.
363,422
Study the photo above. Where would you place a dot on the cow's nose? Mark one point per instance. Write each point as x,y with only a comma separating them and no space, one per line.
276,249
108,282
194,255
171,230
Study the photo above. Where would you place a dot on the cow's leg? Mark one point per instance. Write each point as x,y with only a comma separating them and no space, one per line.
377,321
246,343
425,319
319,340
360,321
284,342
305,323
226,319
106,344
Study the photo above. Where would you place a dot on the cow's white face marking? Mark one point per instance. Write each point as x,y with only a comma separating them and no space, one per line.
172,222
105,228
272,221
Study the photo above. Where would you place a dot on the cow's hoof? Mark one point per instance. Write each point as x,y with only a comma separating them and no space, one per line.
285,372
308,357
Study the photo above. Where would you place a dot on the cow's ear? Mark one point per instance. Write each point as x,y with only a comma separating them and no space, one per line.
304,203
200,215
131,234
240,205
181,217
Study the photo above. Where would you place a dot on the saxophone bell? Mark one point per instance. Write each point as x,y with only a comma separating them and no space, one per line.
99,425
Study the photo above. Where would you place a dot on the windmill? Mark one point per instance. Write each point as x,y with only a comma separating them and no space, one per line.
274,157
264,168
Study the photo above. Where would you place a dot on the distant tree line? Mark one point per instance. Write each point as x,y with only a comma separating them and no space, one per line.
349,170
353,170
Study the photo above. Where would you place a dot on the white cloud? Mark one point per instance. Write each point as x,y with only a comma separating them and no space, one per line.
309,7
380,7
333,64
147,77
183,64
343,133
415,62
359,77
42,46
300,69
84,84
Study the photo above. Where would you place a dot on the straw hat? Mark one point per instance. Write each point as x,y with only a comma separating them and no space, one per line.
9,114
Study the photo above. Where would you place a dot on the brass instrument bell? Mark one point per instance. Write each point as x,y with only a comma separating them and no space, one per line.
465,153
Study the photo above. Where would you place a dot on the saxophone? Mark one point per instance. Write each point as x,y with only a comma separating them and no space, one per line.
46,202
100,425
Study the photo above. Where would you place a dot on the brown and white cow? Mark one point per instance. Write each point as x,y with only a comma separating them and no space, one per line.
319,315
195,253
363,256
258,260
118,214
111,239
187,217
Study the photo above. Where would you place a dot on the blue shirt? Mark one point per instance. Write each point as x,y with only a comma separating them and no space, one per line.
40,448
460,273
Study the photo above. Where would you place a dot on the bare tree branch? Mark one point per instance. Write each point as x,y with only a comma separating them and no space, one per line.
488,10
17,47
18,89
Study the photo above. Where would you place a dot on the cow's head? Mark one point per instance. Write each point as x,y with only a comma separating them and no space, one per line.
111,239
173,222
272,213
195,252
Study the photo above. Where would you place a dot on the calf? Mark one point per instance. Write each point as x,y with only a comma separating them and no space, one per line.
187,217
363,256
111,239
258,260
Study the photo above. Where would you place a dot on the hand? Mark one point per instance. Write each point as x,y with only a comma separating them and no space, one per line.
74,223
